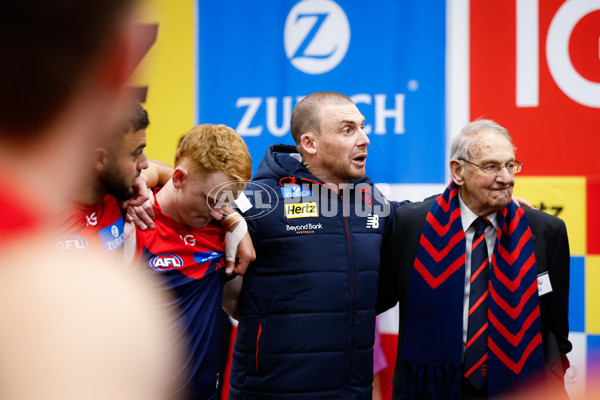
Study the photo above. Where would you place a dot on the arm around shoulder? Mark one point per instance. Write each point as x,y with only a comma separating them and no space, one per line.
158,173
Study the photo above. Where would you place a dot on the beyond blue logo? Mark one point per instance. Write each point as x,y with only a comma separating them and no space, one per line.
210,260
292,191
205,256
166,262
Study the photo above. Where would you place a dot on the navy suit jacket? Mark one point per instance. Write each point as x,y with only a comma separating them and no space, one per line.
551,249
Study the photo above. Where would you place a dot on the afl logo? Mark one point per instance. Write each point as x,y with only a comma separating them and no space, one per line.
166,262
264,198
316,36
71,243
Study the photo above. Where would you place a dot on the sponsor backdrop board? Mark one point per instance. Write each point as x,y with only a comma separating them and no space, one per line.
257,59
165,77
533,66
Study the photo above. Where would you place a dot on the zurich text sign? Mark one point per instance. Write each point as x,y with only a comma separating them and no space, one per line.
258,59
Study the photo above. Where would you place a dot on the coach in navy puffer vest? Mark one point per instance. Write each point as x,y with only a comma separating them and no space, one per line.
307,306
308,301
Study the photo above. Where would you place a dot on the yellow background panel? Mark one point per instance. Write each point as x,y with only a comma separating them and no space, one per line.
564,197
592,283
168,70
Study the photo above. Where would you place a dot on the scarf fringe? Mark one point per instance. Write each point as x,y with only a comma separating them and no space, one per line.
430,382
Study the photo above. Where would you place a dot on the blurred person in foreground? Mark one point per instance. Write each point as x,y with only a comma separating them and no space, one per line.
77,328
62,86
71,327
483,284
540,390
186,249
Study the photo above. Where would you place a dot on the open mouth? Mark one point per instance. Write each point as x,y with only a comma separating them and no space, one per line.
360,159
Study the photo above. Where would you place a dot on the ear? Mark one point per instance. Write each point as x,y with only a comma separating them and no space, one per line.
179,178
308,142
457,172
101,159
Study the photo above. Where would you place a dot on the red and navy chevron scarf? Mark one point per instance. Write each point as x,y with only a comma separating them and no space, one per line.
432,344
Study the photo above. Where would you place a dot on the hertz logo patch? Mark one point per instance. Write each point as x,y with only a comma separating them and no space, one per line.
301,210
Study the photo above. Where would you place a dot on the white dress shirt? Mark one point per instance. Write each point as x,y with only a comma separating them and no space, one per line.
467,217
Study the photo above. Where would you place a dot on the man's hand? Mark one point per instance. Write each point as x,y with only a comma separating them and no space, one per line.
142,216
141,193
522,202
245,255
239,250
140,208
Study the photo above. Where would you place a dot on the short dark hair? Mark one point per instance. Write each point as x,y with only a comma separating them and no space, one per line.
307,113
137,119
46,46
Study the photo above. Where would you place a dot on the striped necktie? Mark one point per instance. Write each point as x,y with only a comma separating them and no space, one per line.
475,364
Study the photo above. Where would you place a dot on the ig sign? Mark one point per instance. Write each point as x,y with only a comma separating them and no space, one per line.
535,68
564,73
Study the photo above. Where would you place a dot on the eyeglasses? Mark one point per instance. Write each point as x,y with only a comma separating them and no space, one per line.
513,167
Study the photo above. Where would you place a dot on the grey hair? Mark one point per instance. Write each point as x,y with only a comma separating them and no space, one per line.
461,143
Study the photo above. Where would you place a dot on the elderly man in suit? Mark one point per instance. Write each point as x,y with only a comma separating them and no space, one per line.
482,283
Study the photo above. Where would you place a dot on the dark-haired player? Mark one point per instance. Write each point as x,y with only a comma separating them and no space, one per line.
95,217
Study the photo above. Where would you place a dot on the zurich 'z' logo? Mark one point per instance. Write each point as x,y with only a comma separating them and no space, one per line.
317,35
112,235
166,262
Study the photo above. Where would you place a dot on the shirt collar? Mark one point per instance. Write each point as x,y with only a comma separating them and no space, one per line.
467,217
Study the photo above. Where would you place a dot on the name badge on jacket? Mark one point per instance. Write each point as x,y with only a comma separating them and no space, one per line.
544,285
